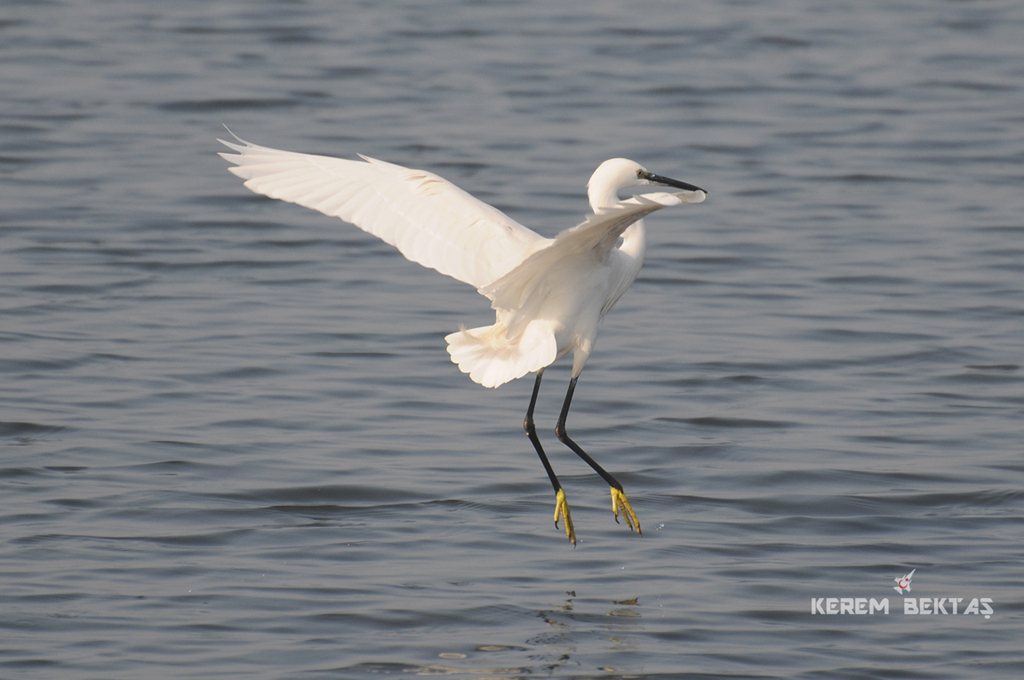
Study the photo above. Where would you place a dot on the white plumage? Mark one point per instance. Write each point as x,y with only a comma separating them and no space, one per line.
549,295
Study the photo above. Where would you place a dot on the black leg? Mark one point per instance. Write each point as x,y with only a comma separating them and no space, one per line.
564,438
618,496
561,506
531,432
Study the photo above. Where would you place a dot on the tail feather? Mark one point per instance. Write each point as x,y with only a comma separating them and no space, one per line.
492,358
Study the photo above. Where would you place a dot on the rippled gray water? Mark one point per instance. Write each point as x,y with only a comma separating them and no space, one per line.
233,444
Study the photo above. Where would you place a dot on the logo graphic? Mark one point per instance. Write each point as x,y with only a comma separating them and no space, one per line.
914,606
903,583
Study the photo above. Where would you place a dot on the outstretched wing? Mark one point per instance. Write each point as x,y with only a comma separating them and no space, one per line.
429,219
598,234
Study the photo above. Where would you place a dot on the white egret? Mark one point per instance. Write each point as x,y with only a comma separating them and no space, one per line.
549,294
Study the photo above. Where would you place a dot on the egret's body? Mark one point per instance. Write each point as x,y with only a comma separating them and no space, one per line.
549,295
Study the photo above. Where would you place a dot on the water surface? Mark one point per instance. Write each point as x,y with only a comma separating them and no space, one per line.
234,446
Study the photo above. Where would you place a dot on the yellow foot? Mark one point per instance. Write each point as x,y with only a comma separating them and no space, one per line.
562,511
619,498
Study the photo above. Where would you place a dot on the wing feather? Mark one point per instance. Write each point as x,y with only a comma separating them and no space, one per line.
597,234
430,220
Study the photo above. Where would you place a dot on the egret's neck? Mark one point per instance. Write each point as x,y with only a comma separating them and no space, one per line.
634,239
634,243
602,197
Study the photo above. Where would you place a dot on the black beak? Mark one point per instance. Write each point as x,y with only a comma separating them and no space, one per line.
669,182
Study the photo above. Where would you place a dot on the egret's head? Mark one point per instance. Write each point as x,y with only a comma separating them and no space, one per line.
620,173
